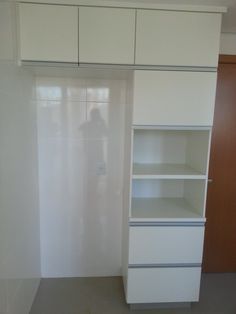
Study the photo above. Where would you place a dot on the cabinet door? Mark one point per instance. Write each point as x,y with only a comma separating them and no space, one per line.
106,35
48,33
177,38
174,98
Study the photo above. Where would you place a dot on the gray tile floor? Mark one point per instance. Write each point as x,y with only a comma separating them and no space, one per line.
105,296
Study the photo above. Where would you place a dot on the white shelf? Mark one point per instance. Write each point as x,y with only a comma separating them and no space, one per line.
165,171
167,209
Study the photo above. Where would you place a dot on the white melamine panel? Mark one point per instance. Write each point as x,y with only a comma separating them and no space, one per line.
154,285
127,178
170,153
177,38
106,35
48,33
163,245
174,98
165,171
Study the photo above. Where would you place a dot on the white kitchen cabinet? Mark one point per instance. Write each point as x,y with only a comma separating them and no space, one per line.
170,142
174,98
48,33
177,38
168,178
106,35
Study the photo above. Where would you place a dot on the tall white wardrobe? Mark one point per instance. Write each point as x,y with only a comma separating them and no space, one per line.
168,132
172,55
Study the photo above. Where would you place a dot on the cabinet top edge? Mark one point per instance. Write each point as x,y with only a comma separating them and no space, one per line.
170,127
132,5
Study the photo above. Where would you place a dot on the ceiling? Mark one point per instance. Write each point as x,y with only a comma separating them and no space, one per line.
229,18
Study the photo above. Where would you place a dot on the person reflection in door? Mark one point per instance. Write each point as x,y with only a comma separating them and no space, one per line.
94,132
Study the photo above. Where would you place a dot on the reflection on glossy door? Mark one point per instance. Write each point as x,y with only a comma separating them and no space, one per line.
80,133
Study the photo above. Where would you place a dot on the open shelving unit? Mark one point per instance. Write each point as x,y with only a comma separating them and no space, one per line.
169,174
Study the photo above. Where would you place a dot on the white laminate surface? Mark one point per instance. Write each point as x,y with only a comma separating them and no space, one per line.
106,35
48,33
165,244
174,98
156,285
177,38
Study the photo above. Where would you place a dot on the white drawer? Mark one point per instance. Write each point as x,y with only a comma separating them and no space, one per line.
154,285
165,244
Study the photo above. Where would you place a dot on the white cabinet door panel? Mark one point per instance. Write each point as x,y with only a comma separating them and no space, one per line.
48,33
177,38
106,35
163,245
154,285
174,98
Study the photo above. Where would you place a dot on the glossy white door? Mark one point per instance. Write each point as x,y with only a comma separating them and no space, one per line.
174,98
48,32
80,128
157,285
19,208
106,35
177,38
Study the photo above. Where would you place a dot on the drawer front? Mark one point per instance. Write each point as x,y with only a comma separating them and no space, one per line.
154,285
174,98
165,244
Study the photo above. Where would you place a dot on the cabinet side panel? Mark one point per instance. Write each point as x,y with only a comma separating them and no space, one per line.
127,179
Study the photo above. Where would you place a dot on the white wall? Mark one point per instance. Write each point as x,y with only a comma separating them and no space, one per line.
228,43
19,216
80,129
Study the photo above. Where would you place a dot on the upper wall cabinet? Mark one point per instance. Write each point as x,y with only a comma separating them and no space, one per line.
48,33
178,98
106,35
177,38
